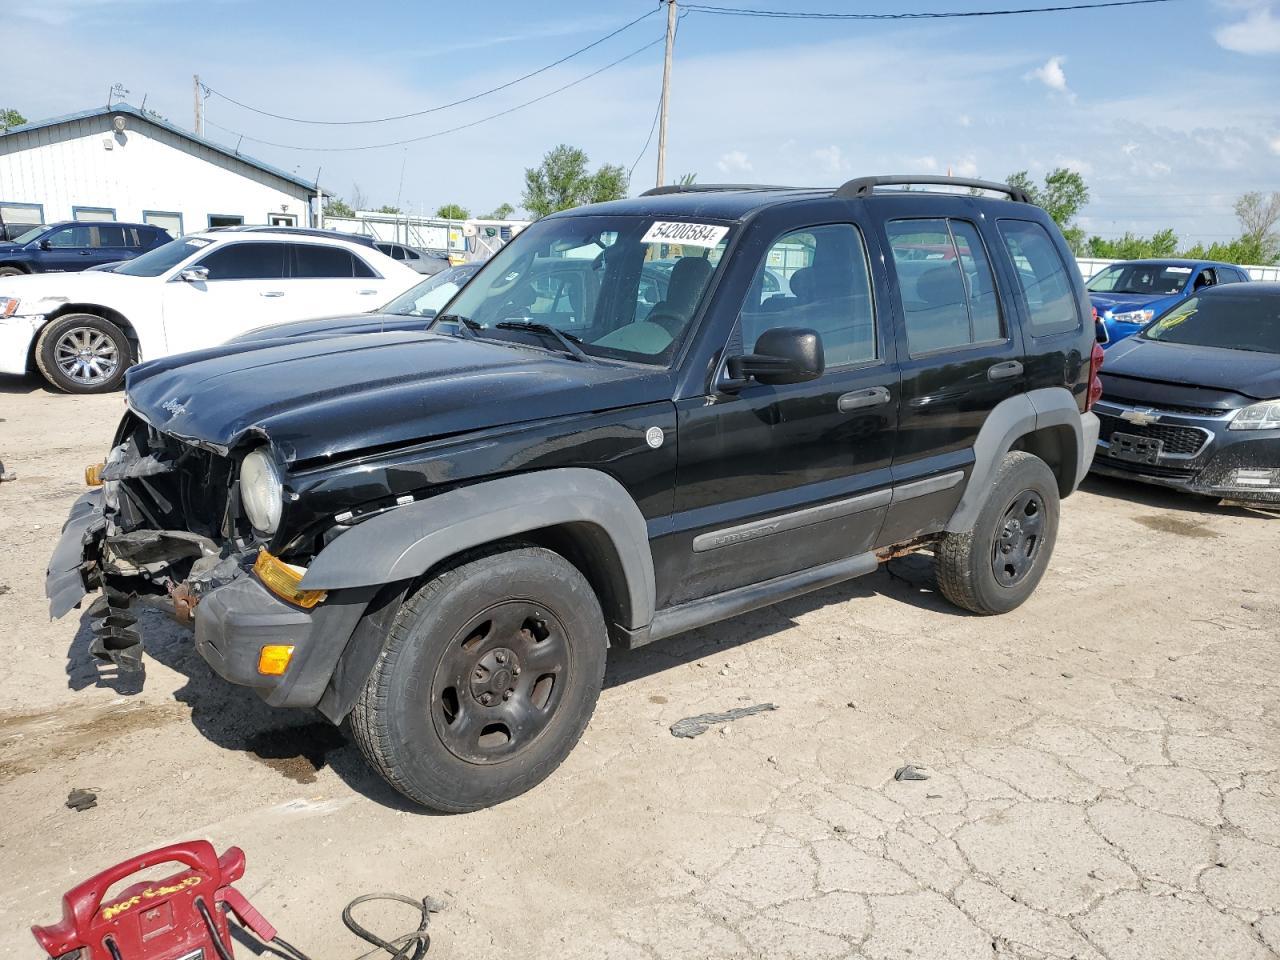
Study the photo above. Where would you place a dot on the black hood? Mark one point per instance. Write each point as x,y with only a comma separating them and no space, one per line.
1246,372
330,397
335,326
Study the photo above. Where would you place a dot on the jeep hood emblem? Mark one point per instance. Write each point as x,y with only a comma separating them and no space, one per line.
174,407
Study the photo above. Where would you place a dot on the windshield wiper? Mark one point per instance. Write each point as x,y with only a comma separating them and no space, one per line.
466,326
566,340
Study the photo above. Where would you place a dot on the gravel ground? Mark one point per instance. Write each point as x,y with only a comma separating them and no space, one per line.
1104,764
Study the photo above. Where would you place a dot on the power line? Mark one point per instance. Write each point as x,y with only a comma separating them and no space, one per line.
441,133
938,15
444,106
647,140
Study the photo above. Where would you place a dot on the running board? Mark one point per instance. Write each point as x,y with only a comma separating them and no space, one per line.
699,613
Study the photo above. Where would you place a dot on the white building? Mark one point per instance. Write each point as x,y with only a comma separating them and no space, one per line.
123,164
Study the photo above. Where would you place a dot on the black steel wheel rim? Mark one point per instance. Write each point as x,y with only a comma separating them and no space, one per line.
1019,539
500,681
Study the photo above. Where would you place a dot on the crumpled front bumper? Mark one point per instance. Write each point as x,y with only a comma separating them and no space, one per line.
65,579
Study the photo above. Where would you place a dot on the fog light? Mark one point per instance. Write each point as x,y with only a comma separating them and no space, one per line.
1255,478
273,659
93,474
282,579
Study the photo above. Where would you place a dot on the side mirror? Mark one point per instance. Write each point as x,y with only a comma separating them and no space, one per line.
45,244
194,274
782,355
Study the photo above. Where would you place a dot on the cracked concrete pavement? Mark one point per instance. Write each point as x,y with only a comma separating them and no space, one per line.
1104,762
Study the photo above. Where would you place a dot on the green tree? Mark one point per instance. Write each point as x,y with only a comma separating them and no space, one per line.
502,211
10,117
686,180
388,208
1258,215
453,211
561,181
337,207
1063,194
1163,243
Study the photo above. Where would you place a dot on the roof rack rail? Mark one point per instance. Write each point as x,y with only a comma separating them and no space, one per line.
708,188
865,186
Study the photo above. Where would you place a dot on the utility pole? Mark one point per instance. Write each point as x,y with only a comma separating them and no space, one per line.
666,93
198,101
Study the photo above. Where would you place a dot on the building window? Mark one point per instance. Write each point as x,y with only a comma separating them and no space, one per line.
166,220
97,214
282,220
225,220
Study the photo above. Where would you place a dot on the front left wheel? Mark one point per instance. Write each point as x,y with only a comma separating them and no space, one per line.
486,680
83,353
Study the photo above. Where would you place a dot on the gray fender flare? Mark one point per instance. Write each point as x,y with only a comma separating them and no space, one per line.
1014,418
407,541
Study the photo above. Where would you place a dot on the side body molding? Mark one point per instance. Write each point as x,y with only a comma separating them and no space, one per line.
407,541
1014,418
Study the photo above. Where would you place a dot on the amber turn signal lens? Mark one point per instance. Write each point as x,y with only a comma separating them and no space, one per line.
282,579
273,659
93,474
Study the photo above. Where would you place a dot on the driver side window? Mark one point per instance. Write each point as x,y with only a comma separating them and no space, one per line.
816,278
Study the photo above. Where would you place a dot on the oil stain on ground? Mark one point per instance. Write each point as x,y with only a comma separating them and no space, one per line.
1177,525
296,752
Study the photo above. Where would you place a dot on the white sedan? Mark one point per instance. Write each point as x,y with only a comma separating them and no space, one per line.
83,330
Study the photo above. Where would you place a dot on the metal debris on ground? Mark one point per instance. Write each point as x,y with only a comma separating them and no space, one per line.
6,475
693,726
910,772
81,800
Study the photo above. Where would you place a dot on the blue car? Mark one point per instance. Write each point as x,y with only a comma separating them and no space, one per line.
1129,294
75,245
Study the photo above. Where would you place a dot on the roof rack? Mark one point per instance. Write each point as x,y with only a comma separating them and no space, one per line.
708,188
865,186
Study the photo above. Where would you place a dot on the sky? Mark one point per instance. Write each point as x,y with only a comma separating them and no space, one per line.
1170,111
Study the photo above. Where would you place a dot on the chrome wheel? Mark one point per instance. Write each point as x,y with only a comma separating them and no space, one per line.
86,356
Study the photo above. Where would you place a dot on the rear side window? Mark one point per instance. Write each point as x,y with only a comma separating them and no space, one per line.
246,261
313,261
946,284
816,278
1042,278
110,235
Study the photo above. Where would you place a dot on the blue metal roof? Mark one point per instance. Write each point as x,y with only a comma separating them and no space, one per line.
133,111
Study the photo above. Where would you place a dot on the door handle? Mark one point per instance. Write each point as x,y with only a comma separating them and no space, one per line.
1004,371
367,293
84,253
857,399
271,293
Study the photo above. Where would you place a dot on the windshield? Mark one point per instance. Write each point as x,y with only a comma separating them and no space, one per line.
1236,322
621,288
157,261
29,235
1159,280
426,299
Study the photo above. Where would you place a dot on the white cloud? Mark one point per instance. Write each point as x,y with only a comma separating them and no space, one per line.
966,166
964,120
831,159
1258,32
925,164
735,161
1274,144
1052,76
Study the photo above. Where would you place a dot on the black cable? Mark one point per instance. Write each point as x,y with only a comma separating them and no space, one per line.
444,106
223,952
441,133
399,948
940,15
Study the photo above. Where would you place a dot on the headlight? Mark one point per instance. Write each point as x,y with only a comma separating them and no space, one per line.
1133,316
9,306
260,491
1259,416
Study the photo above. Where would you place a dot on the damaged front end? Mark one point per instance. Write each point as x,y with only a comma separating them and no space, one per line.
163,525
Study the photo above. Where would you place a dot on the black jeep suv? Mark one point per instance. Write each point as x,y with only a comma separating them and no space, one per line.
439,532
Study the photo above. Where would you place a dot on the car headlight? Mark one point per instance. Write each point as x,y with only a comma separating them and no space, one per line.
1133,316
9,306
261,494
1258,416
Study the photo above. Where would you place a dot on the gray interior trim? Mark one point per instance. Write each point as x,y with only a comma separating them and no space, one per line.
1009,420
922,488
406,542
699,613
789,521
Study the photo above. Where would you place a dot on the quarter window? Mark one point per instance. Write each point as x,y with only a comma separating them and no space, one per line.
816,278
946,284
1042,278
246,261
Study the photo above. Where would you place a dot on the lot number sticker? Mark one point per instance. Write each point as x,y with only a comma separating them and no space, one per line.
691,234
